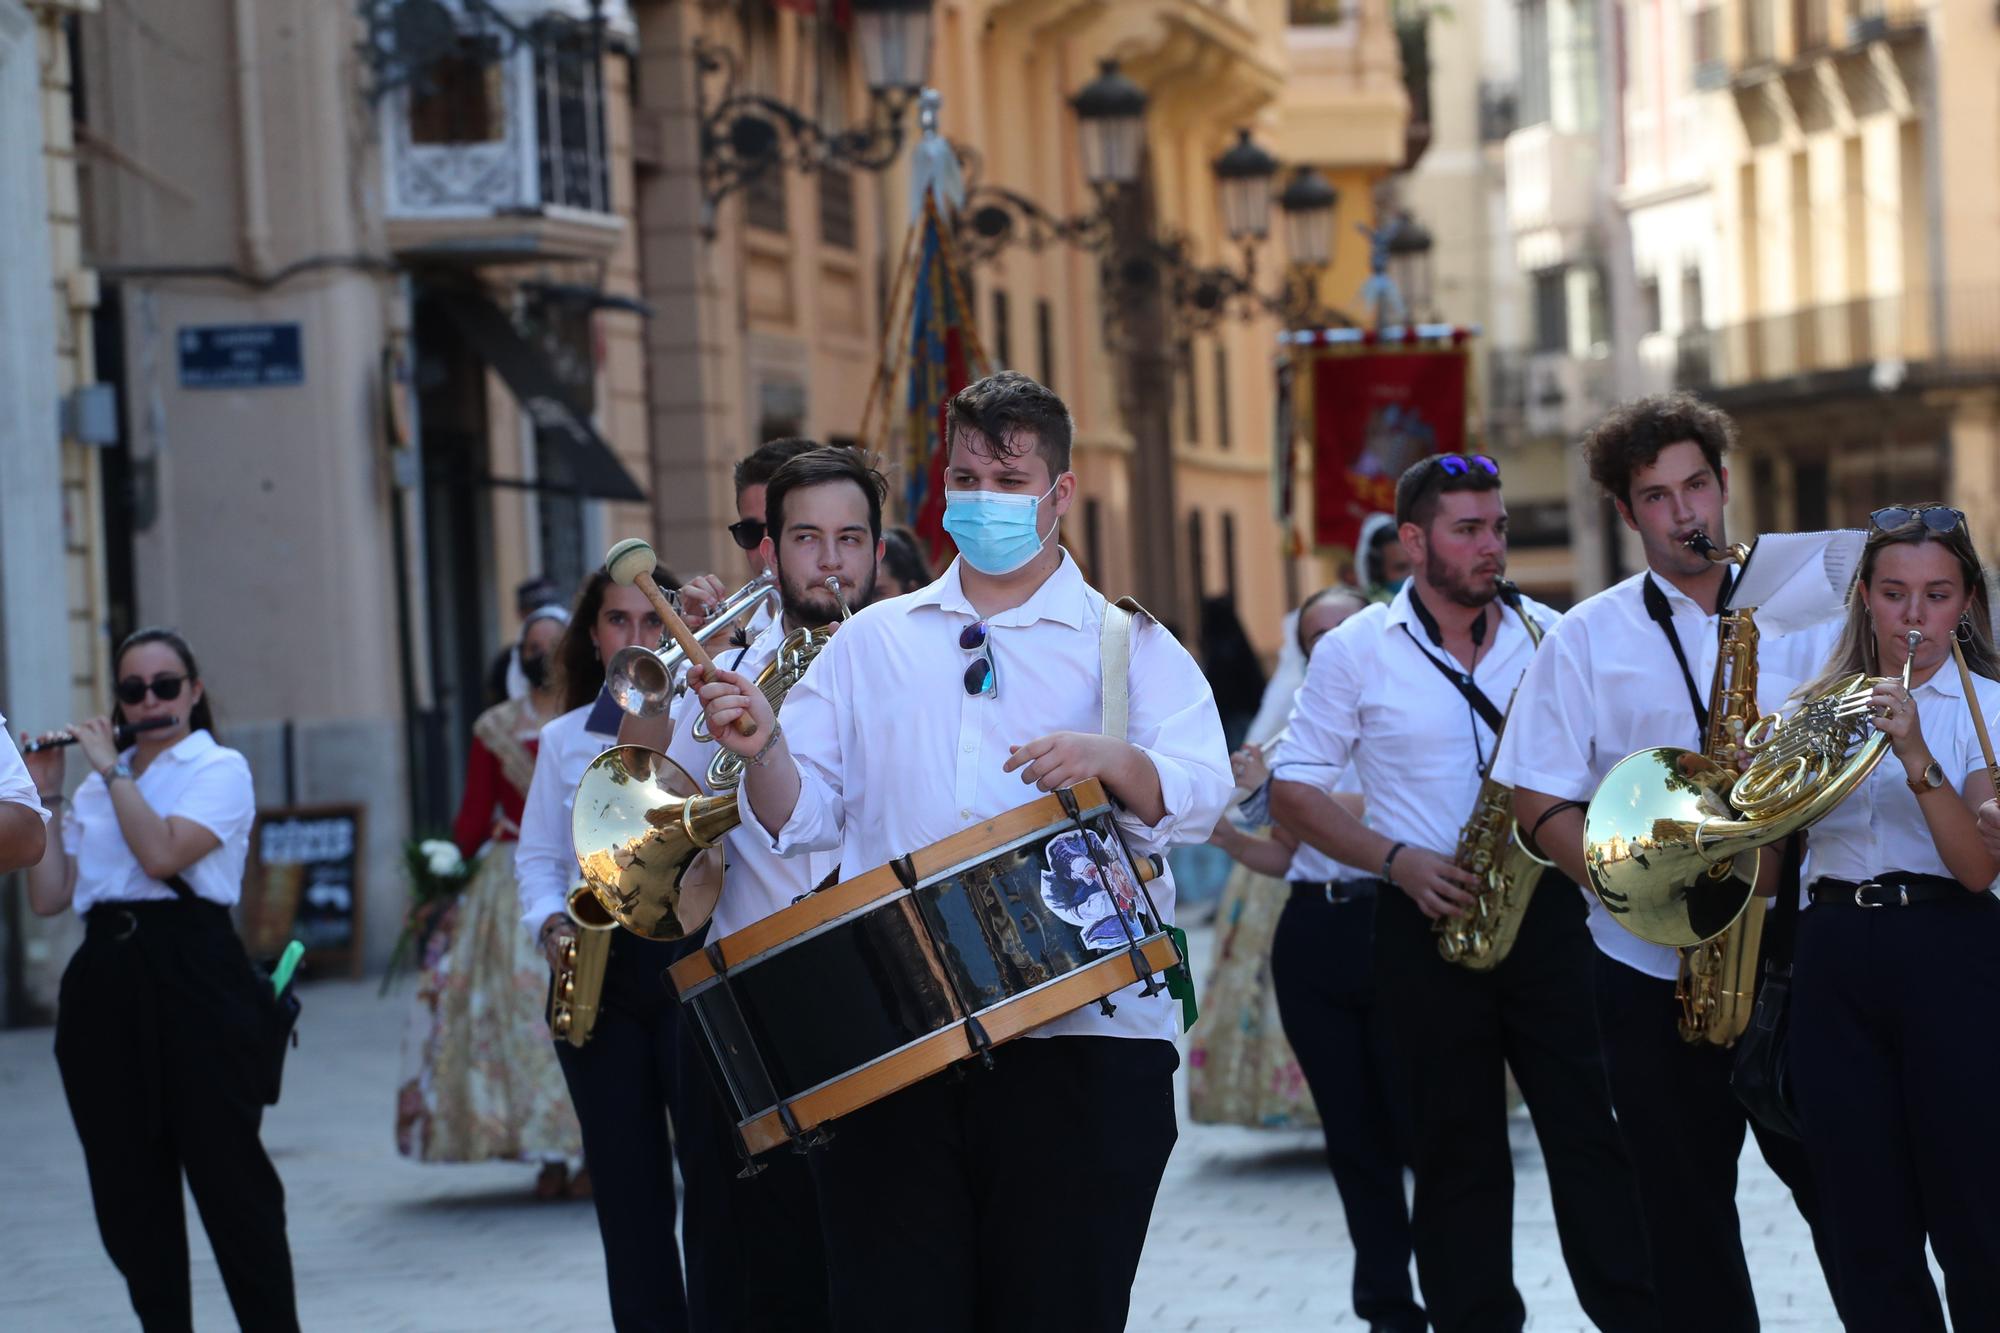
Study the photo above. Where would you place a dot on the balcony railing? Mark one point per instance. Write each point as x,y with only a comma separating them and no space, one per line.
489,141
1901,329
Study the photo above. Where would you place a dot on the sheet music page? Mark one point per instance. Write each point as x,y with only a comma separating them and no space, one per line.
1796,580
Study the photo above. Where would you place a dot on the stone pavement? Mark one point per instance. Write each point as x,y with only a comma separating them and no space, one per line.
1248,1234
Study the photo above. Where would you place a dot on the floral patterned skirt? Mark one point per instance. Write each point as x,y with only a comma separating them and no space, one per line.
1241,1070
480,1078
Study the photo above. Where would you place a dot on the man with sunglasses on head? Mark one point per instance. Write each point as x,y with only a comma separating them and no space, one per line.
1411,694
928,714
765,1264
1629,669
752,479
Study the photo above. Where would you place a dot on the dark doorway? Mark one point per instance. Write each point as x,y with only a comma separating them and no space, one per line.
451,407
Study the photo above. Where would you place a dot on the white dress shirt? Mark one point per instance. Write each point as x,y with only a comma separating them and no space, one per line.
1314,866
1607,684
15,784
545,858
1879,826
197,780
757,881
1372,701
894,755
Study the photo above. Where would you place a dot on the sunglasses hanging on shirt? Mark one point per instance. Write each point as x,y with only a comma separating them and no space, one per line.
981,676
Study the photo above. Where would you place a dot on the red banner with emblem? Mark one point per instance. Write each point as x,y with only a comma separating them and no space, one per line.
1375,411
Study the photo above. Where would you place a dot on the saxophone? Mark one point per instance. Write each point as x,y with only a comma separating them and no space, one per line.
579,982
1717,985
1491,847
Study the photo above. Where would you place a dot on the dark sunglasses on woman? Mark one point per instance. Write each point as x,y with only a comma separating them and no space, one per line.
132,690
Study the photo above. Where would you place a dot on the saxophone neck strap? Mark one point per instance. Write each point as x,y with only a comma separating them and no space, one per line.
1663,616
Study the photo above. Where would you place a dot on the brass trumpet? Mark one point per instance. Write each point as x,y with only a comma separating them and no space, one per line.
643,680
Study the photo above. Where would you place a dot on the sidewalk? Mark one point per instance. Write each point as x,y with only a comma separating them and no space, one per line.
1248,1234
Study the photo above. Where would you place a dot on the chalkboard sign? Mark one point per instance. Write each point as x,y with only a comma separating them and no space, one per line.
303,881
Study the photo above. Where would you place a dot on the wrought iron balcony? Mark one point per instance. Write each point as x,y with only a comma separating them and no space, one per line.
494,142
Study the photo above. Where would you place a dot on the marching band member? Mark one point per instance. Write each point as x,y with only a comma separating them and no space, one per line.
1893,986
752,477
23,821
1321,966
623,1081
825,515
1409,693
1629,669
927,714
160,1022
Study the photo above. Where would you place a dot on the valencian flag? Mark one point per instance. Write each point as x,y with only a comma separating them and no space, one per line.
931,334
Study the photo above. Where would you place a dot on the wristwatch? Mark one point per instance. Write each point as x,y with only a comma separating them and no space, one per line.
1929,780
121,769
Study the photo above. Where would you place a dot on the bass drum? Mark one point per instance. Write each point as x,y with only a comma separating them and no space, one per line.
864,988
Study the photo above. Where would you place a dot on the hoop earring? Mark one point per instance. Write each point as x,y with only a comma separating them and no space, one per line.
1962,631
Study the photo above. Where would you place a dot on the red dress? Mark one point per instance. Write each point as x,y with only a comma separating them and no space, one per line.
492,804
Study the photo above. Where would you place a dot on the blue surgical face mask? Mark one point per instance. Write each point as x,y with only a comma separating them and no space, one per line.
995,532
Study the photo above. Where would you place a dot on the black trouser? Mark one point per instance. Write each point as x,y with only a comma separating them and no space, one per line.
622,1083
1684,1128
1455,1033
1001,1200
760,1264
1321,969
1893,1066
158,1037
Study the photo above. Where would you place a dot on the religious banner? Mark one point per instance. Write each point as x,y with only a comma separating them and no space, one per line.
1374,410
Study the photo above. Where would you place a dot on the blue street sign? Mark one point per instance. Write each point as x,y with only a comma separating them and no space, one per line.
242,356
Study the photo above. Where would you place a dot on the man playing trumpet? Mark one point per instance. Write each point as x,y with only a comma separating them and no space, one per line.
755,1256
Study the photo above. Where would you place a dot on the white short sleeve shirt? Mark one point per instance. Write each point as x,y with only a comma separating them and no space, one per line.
1606,685
15,784
1879,827
197,780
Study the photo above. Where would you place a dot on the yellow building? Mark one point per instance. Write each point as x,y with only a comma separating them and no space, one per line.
774,323
1857,336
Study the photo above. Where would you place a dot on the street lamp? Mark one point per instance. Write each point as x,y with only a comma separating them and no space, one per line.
1308,203
1410,263
1244,176
1111,122
745,135
895,41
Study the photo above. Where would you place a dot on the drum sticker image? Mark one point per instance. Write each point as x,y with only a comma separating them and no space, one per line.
1074,888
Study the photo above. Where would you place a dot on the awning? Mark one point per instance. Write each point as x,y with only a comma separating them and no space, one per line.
593,470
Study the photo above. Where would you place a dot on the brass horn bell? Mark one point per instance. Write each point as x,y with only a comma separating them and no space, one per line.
648,842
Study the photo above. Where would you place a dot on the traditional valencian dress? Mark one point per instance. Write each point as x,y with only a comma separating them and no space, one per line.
481,1080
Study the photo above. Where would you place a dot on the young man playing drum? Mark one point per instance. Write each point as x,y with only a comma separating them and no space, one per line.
766,1265
1015,1197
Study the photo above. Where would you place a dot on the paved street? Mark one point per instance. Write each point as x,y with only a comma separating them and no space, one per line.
1248,1235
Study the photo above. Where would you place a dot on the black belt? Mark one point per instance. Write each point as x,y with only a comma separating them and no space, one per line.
121,919
1334,890
1895,888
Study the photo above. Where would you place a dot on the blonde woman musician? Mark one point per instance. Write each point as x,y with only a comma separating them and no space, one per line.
1894,989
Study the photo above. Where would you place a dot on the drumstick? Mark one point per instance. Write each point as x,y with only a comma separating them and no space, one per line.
1978,718
631,563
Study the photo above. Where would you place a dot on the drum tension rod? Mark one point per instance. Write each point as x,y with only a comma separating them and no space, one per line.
801,1140
905,868
1141,972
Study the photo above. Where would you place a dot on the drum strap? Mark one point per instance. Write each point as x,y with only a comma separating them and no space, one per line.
1115,646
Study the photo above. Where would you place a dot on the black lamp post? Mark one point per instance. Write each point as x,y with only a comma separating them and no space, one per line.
744,135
